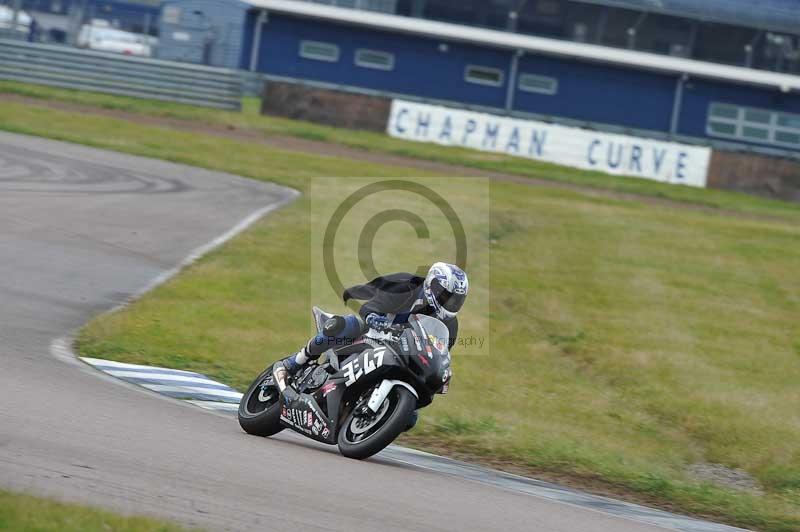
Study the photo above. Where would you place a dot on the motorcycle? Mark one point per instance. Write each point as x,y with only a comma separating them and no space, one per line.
360,396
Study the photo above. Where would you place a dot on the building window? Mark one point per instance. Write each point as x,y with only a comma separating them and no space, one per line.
319,51
538,84
754,125
483,75
789,121
375,59
788,138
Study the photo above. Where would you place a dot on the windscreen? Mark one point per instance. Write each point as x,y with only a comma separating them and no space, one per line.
435,333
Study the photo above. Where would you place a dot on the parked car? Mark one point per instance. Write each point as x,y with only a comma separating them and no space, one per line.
99,35
24,20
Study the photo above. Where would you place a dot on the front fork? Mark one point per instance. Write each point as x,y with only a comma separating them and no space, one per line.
380,393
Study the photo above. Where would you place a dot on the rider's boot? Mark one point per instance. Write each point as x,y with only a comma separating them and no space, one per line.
294,363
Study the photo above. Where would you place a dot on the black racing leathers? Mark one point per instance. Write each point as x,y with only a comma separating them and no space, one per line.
396,295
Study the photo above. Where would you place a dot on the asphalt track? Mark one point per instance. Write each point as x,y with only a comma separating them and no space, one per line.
82,230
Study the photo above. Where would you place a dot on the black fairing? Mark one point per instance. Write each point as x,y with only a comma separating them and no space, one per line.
426,367
416,356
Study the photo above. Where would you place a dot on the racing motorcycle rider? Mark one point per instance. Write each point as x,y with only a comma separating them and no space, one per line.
389,300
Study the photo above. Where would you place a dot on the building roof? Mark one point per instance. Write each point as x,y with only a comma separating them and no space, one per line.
532,44
775,15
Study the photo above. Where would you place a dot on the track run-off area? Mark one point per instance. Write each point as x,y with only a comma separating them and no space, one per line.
81,232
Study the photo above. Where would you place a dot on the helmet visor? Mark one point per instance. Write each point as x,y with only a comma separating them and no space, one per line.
448,300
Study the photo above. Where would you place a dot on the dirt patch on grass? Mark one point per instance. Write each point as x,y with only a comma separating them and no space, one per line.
725,477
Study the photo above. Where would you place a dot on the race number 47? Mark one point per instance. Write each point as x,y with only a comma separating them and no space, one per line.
364,365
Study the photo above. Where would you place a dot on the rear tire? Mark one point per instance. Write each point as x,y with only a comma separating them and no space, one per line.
260,408
401,406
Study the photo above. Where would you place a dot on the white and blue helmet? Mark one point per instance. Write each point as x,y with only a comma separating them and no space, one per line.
445,289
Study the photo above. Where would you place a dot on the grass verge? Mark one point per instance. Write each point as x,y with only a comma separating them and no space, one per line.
628,341
23,513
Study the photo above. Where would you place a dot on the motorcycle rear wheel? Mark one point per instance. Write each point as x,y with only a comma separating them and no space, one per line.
260,408
362,437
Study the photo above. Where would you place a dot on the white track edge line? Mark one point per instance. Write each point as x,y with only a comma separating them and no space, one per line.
214,405
232,394
102,363
167,378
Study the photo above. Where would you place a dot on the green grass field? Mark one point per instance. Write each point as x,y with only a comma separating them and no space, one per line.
23,513
629,341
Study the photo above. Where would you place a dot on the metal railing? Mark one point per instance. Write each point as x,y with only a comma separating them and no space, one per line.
120,75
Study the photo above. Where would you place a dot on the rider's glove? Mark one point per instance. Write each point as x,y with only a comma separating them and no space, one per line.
378,322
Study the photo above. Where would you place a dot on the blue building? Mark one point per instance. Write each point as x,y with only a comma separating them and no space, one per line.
761,34
552,78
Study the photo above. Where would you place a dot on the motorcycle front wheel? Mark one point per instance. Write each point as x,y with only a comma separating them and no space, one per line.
260,408
365,432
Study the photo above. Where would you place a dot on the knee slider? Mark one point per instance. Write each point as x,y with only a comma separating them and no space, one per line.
334,326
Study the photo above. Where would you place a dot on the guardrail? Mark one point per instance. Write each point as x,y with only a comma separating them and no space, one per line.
73,68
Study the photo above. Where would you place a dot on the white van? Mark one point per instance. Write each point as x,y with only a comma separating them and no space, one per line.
100,36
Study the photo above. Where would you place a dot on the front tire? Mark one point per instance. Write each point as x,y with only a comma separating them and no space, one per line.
260,407
361,437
